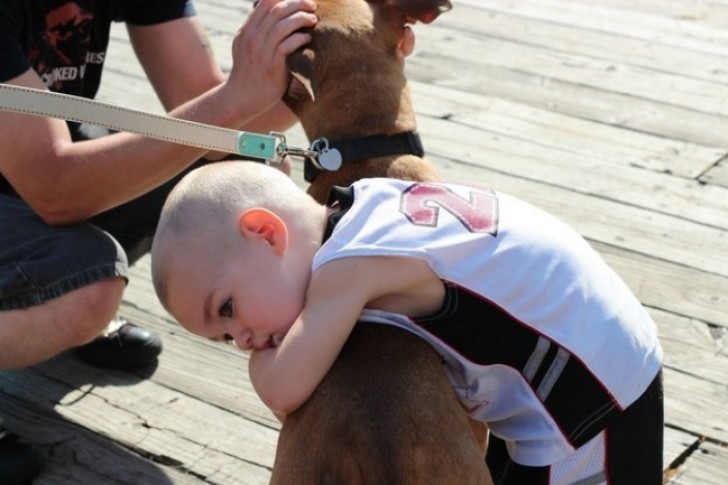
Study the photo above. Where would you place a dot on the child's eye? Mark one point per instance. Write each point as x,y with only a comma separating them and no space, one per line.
226,309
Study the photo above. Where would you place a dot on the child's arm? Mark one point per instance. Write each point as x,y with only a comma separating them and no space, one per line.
285,376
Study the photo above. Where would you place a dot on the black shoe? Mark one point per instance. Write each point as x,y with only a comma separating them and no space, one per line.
19,461
123,346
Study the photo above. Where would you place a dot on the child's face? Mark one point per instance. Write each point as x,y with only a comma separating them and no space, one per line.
253,298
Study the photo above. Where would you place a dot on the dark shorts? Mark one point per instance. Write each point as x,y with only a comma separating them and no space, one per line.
39,262
630,450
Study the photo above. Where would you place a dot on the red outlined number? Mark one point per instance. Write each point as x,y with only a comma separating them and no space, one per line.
421,203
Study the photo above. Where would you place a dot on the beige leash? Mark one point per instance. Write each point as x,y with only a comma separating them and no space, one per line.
271,148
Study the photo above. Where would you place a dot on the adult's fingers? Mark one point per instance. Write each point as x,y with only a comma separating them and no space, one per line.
271,23
268,13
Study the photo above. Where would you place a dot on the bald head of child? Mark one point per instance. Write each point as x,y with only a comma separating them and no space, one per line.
232,254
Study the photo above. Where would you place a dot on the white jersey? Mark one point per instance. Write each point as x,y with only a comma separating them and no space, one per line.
540,338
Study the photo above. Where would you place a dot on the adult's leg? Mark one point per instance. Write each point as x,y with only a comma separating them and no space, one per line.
31,335
59,286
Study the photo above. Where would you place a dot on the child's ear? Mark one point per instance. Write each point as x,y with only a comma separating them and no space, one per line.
259,223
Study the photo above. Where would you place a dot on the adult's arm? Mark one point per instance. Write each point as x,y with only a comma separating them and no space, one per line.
180,45
66,182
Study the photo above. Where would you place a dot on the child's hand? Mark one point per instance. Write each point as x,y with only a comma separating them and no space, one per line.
259,76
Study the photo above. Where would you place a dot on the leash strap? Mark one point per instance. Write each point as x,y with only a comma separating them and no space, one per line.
37,102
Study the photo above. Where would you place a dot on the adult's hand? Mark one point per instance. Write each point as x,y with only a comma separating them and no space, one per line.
271,32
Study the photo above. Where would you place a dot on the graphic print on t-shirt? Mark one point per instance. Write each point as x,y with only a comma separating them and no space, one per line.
59,52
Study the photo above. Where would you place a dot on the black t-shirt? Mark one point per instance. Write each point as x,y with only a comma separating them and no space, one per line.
65,41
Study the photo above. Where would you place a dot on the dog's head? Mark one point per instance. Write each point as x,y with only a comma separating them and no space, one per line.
350,79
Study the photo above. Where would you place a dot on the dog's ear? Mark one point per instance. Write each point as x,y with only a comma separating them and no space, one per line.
301,64
424,11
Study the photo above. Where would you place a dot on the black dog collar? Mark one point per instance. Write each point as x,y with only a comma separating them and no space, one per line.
330,155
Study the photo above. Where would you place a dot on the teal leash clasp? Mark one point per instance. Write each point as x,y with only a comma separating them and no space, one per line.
271,148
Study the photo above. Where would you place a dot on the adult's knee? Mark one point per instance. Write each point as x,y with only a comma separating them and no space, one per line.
88,310
64,322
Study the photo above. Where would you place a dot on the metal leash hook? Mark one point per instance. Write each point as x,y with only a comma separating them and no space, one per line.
323,157
302,152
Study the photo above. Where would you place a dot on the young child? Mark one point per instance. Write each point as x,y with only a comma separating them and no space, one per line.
539,337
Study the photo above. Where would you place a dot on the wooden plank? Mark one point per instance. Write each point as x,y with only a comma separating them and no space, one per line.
579,101
199,438
706,465
693,347
671,286
678,32
711,12
597,44
598,74
540,127
696,405
691,460
717,175
77,456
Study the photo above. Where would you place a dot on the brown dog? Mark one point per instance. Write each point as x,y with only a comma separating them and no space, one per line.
385,413
349,83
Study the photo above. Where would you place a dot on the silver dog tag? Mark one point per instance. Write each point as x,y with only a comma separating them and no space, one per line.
330,159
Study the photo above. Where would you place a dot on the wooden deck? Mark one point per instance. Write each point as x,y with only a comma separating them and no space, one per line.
612,114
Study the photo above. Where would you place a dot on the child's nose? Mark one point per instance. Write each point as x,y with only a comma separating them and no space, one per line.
244,340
